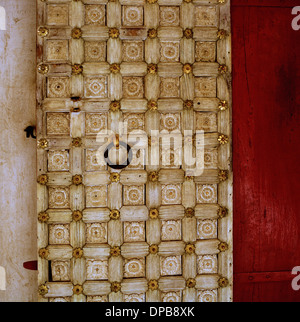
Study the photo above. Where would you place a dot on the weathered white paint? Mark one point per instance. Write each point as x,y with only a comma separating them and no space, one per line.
17,154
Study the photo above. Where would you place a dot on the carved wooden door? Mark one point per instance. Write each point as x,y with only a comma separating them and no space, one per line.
151,231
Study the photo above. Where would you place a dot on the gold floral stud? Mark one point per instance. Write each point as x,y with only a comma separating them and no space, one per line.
77,69
76,142
77,253
223,105
77,215
115,68
153,285
223,282
190,249
76,33
77,289
188,33
115,251
44,253
43,289
153,249
153,176
152,105
152,68
152,33
153,213
223,175
115,287
189,104
114,177
43,217
42,144
223,247
189,212
221,34
190,283
114,214
43,32
223,139
114,33
77,179
43,69
42,179
115,106
187,68
223,69
222,212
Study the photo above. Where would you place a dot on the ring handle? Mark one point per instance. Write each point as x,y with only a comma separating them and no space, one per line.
117,144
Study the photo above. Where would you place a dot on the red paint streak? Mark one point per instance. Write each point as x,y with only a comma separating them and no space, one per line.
266,141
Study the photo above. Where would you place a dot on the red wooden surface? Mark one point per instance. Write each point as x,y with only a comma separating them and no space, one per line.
266,142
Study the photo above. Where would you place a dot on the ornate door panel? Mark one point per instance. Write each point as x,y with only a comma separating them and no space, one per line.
135,74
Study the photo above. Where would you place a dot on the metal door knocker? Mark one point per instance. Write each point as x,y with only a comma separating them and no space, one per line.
116,143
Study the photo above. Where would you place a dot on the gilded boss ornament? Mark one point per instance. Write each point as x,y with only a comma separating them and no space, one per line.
153,249
152,105
77,253
114,33
223,105
43,217
223,282
153,176
42,144
223,212
77,179
153,285
43,289
190,249
76,142
114,214
115,106
115,251
77,289
191,282
223,175
44,253
77,215
152,33
43,69
77,69
152,68
42,179
153,214
223,139
115,287
76,33
43,31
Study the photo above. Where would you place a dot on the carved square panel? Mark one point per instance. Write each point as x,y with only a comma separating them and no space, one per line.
169,87
95,87
141,297
206,16
206,122
134,268
96,269
95,51
134,231
169,16
59,197
171,158
95,122
133,195
95,15
207,193
99,298
96,233
170,122
207,264
96,196
58,14
91,162
132,16
58,87
171,194
171,230
209,296
135,121
169,51
58,123
207,229
133,87
133,51
58,160
59,234
205,51
138,159
60,299
205,87
57,50
60,271
211,159
170,265
171,297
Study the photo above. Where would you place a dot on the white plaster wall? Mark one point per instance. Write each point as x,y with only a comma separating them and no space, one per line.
17,154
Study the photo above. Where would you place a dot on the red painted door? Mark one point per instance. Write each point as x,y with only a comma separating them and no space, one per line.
266,115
